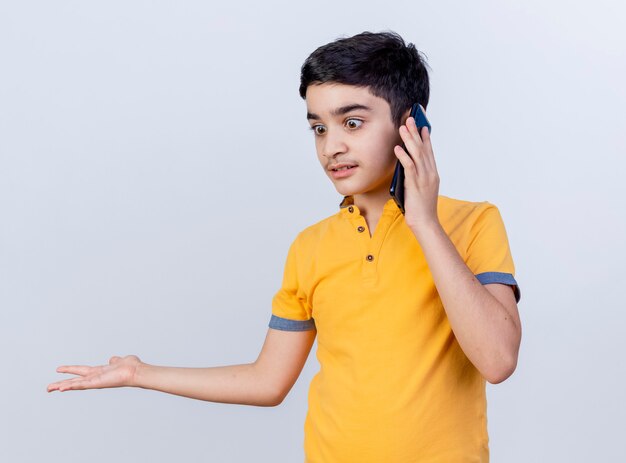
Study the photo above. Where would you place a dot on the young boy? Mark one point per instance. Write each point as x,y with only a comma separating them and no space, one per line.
413,311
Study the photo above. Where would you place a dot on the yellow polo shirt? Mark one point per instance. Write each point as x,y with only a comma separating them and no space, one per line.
394,385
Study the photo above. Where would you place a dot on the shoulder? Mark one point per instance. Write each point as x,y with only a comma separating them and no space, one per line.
455,211
319,229
312,235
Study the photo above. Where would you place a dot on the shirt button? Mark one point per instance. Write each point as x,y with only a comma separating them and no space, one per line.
351,209
370,257
361,229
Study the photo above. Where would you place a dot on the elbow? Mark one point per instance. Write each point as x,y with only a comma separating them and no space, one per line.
502,372
265,401
278,393
274,396
275,400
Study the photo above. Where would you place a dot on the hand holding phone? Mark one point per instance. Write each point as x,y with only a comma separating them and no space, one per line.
397,184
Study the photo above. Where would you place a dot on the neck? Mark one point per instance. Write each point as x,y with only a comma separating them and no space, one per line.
371,204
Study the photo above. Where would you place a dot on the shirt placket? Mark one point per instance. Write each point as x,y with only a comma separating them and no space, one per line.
370,246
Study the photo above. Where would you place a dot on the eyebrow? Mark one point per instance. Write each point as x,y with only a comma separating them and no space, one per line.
341,110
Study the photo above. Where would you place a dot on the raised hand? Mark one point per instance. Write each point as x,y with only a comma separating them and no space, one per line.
421,179
119,372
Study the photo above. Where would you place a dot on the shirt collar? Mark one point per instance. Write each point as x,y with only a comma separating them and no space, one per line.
346,201
390,207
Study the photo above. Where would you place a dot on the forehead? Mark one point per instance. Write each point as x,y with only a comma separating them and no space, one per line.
330,100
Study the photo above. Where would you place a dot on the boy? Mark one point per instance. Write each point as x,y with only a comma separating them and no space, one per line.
413,311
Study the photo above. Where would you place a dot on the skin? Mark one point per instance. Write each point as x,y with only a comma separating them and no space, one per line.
360,136
484,318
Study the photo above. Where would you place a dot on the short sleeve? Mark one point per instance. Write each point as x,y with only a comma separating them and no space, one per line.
488,253
291,310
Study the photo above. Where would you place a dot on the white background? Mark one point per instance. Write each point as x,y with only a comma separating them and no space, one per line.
156,163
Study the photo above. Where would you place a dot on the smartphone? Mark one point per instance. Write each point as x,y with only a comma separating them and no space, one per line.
397,184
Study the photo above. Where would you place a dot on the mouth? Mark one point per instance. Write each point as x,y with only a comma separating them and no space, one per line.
342,171
341,166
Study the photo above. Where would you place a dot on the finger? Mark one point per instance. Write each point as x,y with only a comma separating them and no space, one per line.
114,359
72,385
429,155
77,384
409,142
411,125
425,164
416,151
59,384
52,387
413,142
408,164
75,369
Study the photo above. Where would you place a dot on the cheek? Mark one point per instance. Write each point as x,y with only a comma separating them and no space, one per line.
322,159
384,151
318,152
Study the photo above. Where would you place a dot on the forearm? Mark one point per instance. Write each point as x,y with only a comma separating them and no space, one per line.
489,337
235,384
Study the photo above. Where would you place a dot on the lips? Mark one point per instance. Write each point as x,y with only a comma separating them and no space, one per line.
341,166
339,171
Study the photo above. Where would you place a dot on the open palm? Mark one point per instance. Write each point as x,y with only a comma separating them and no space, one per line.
118,373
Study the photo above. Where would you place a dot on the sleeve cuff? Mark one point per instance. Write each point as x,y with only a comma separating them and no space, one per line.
500,277
286,324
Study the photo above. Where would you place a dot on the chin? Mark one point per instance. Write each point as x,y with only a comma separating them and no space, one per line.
359,188
347,190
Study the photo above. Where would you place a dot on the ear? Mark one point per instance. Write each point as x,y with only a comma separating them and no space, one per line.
405,116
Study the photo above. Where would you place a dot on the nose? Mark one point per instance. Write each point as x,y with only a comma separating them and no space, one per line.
333,143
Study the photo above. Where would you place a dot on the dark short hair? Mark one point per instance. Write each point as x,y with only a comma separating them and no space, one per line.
380,61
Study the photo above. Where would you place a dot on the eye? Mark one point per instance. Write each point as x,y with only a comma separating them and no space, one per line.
350,122
315,127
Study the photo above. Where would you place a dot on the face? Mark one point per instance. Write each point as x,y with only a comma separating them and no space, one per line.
353,128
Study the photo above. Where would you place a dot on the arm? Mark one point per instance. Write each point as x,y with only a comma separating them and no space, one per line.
485,321
263,383
484,318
